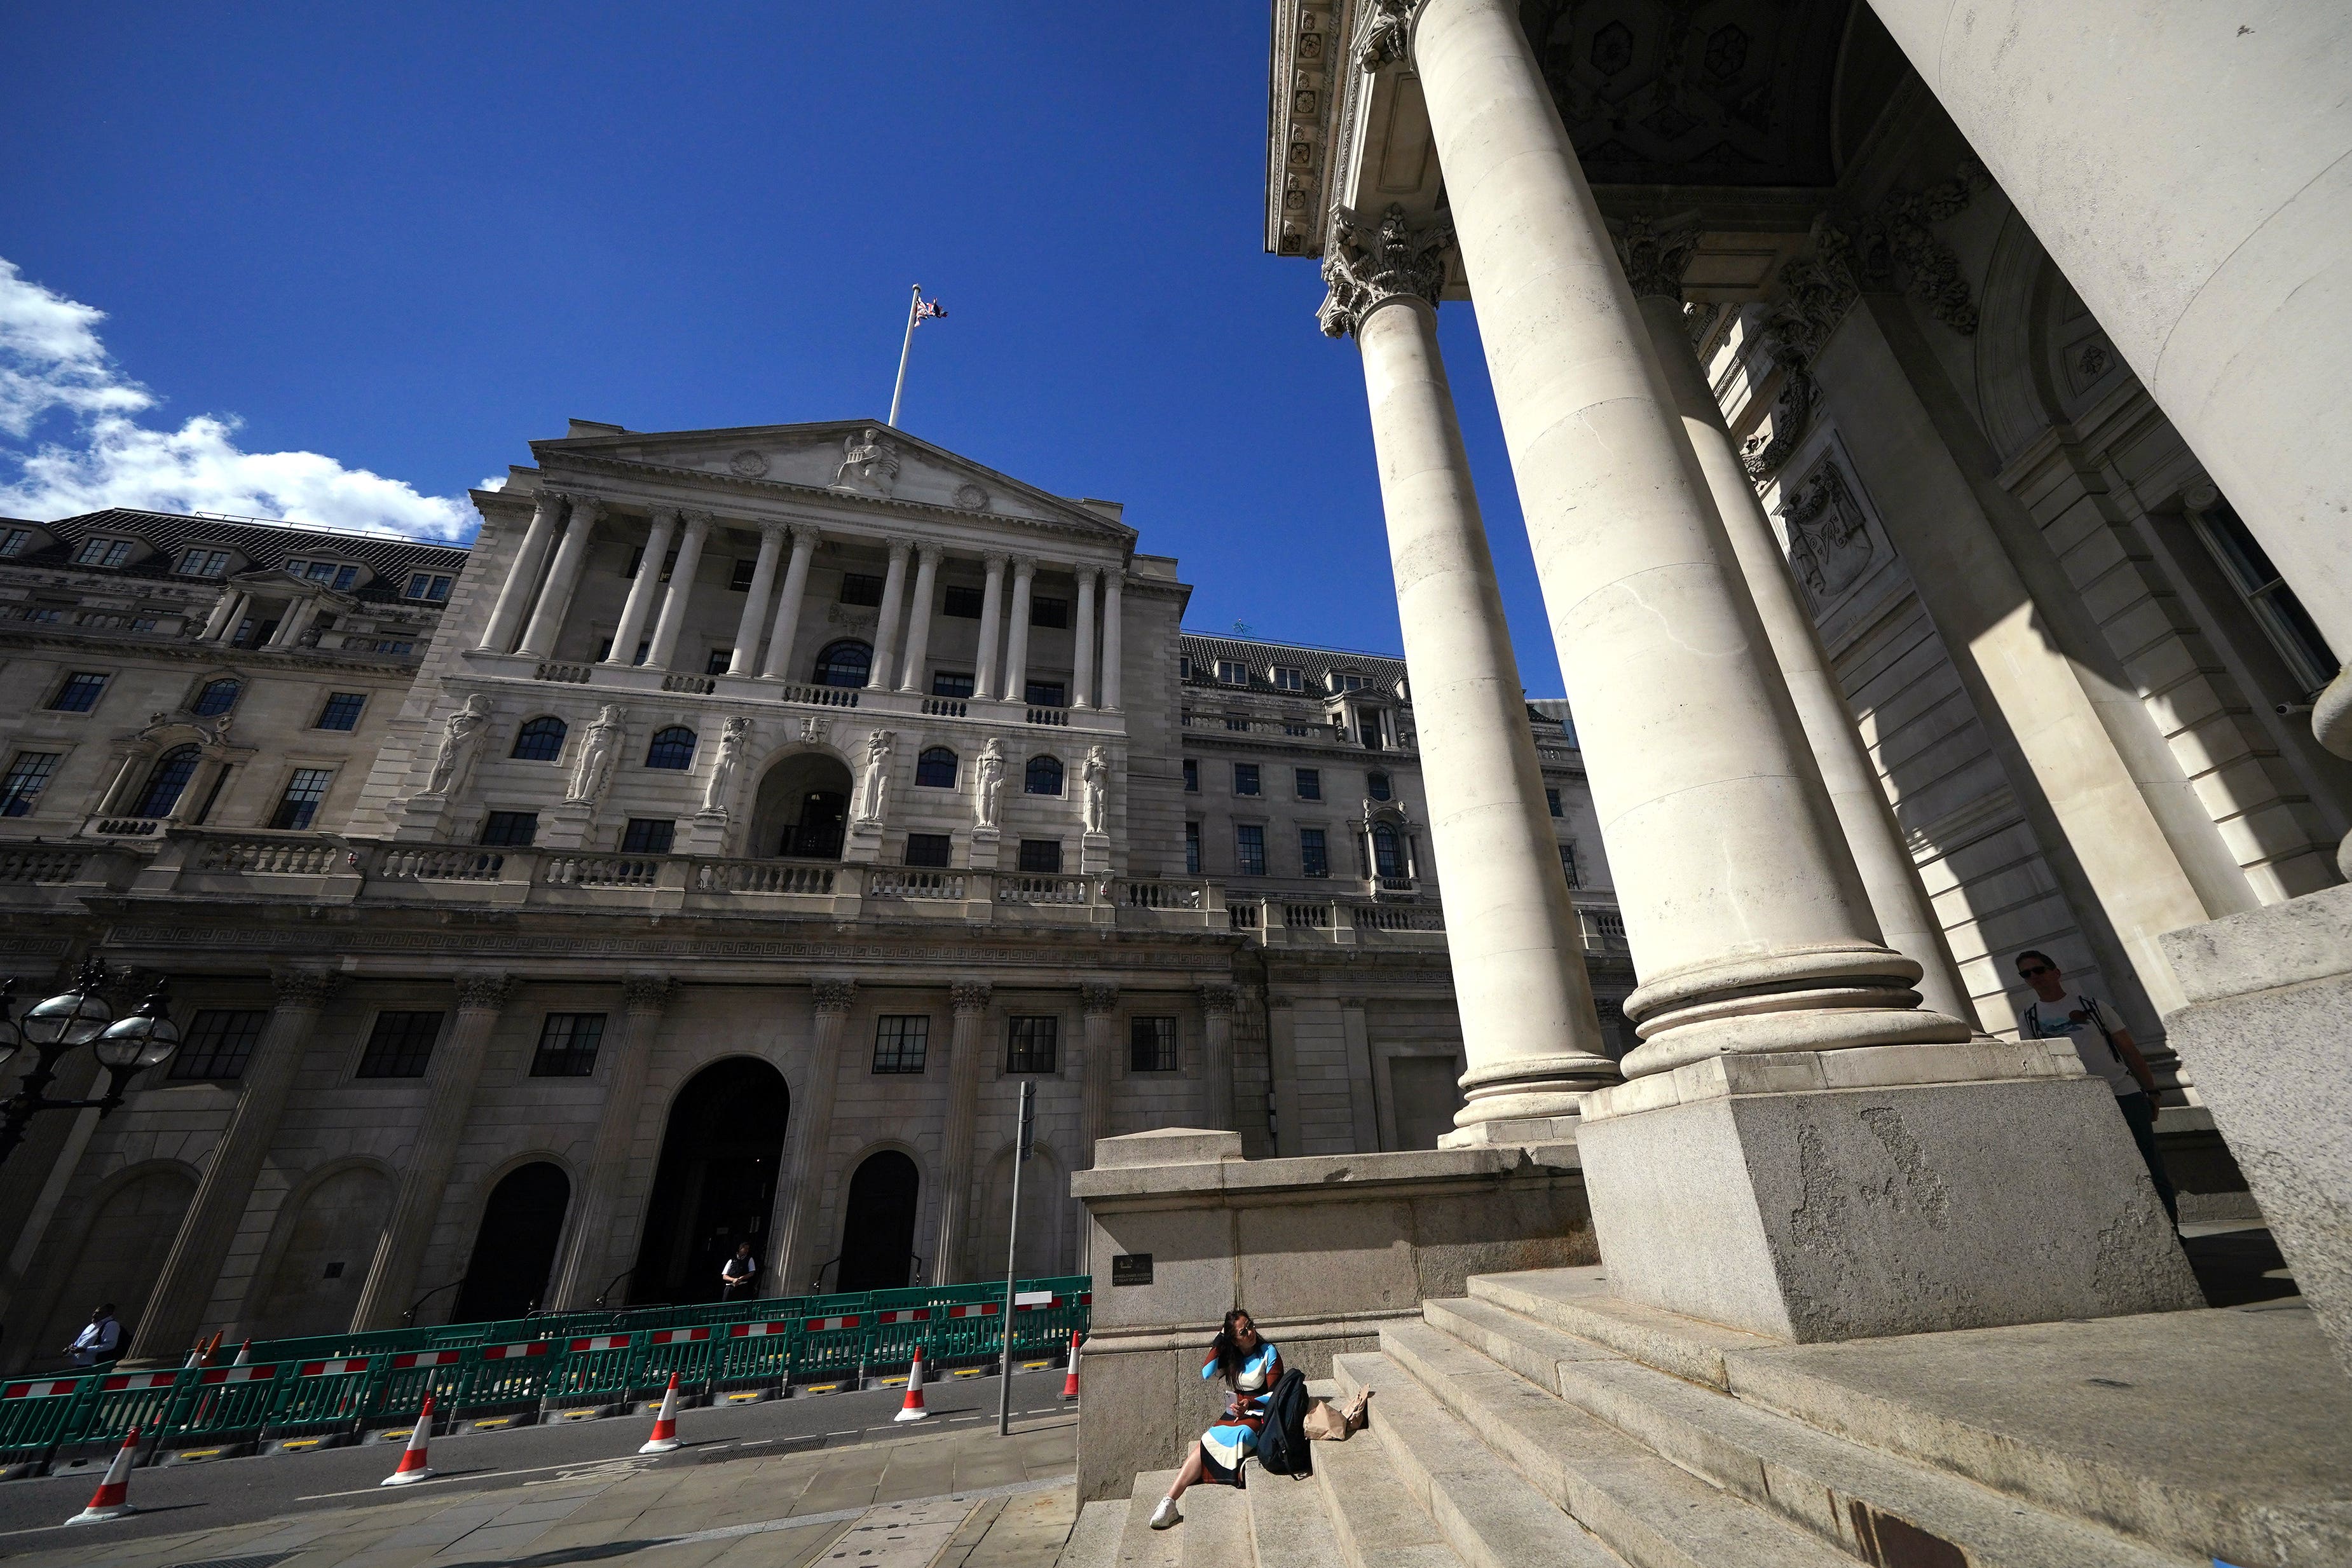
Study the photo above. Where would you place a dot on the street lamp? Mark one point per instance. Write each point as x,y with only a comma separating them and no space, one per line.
74,1018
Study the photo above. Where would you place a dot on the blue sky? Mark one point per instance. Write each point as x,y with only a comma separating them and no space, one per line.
351,262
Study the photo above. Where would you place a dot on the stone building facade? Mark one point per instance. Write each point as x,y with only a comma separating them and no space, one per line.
566,969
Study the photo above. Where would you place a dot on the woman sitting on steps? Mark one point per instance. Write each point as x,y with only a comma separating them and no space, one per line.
1251,1367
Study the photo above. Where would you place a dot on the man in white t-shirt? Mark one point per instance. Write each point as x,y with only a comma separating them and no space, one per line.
2107,1051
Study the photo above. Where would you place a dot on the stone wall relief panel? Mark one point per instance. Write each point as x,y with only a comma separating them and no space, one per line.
1837,550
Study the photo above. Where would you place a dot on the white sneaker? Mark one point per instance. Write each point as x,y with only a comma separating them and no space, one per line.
1165,1514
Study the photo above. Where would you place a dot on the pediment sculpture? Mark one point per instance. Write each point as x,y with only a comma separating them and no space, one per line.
869,464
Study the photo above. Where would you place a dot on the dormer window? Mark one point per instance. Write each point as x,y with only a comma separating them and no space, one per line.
107,552
203,562
16,541
1346,681
1289,678
1233,672
433,587
1183,666
335,574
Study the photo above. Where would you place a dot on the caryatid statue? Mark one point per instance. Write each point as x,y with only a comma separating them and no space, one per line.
598,755
987,777
1098,790
732,737
461,736
876,786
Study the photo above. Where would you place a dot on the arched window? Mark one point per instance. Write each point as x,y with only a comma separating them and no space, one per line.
844,664
936,768
540,739
1045,776
672,748
1376,785
171,775
1388,851
217,697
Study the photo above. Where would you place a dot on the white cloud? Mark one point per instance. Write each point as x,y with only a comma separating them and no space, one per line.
52,363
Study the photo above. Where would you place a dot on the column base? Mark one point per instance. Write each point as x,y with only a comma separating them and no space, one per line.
1887,1190
420,819
706,834
1513,1131
1094,853
985,844
567,826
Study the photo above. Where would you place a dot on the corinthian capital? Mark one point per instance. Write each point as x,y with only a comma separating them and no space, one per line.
304,988
834,996
586,509
484,992
1654,255
1366,269
969,995
1384,37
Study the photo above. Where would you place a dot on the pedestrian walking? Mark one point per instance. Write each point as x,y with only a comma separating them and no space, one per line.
2107,1051
101,1341
737,1273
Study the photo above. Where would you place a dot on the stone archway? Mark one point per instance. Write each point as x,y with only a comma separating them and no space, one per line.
802,808
514,1249
314,1286
716,1186
120,1257
877,1229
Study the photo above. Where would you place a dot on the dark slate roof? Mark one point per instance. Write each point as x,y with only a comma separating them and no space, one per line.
1381,670
264,544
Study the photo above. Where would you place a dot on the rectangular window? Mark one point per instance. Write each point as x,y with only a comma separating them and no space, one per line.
1567,864
16,541
1040,855
400,1046
1240,724
1244,778
27,777
1233,672
1044,693
1049,612
567,1046
740,579
1288,679
1294,729
1152,1045
103,552
79,694
304,791
1191,777
649,836
1183,666
220,1042
1249,849
343,710
1310,783
637,559
964,604
1551,801
1029,1045
929,849
2282,615
950,683
1313,858
1192,848
900,1042
860,588
513,828
391,645
719,659
430,586
200,563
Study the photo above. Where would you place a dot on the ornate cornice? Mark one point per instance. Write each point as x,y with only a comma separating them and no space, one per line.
1096,998
1366,269
1219,998
969,997
485,992
1383,34
304,988
1654,255
832,995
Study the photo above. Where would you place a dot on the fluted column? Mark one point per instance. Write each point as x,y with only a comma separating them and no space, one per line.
919,611
1082,665
175,1307
992,617
521,585
886,627
788,604
801,1251
450,1079
1016,636
221,624
1098,1002
627,1051
966,1048
1217,1053
746,657
555,600
1112,581
643,587
1529,1028
681,589
1654,267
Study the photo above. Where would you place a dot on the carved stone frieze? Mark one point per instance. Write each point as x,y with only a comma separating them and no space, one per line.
647,993
1219,998
1654,255
967,997
485,992
1366,269
1384,35
832,995
1900,231
1829,546
1096,998
304,988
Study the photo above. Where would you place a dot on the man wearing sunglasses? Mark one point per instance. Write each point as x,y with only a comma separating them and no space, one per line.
2107,1051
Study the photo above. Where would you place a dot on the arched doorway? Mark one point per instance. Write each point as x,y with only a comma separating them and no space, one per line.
515,1248
802,808
122,1253
877,1231
315,1287
720,1155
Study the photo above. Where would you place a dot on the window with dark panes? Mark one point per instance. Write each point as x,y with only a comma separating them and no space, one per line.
1568,864
1249,849
1029,1044
217,697
1192,848
540,739
169,777
342,711
1152,1045
672,748
1376,785
1388,852
860,588
1040,855
28,775
1044,693
1191,777
220,1042
1551,801
740,579
950,683
649,836
1043,611
935,767
1244,778
431,586
305,790
1310,783
900,1042
514,830
932,850
79,694
1041,777
567,1046
846,664
400,1045
964,604
716,664
1314,855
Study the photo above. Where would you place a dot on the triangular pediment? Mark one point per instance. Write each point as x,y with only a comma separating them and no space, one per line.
858,458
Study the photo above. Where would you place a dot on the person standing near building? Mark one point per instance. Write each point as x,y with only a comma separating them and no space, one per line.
101,1341
736,1275
2107,1051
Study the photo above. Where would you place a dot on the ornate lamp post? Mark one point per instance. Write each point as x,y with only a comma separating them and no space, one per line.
73,1018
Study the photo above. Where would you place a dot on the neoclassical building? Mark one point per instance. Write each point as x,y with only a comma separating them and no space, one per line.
705,855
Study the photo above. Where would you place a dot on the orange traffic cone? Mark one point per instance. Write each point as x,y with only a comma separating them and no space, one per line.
665,1435
414,1467
244,1354
913,1409
113,1499
1070,1380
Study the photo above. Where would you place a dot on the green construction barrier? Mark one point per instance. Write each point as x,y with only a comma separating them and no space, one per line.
125,1400
593,1368
221,1403
401,1387
37,1413
759,1352
328,1395
510,1374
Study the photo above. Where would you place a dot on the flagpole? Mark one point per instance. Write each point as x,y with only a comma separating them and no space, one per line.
899,391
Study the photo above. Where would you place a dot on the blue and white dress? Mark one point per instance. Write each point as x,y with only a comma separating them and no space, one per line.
1224,1446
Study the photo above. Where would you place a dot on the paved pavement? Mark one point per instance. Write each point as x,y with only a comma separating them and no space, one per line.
749,1469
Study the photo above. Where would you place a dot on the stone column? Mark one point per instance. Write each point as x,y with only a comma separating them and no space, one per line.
886,626
628,1050
2210,242
1082,666
555,601
455,1068
992,617
175,1307
797,1251
1112,580
522,575
788,605
1097,1002
289,625
966,1049
1653,266
1217,1053
919,620
221,624
1016,636
1528,1020
642,587
746,657
681,589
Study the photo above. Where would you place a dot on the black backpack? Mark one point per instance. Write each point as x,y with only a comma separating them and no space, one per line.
1282,1441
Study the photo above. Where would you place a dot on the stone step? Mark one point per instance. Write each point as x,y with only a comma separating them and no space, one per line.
1649,1510
1873,1506
1094,1536
1140,1545
1489,1514
1577,1301
1290,1524
1216,1529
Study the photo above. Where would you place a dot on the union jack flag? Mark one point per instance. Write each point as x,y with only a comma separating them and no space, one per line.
930,307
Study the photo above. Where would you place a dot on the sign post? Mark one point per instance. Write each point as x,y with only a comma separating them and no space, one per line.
1011,1239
